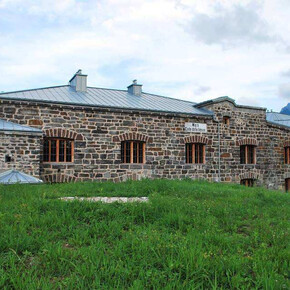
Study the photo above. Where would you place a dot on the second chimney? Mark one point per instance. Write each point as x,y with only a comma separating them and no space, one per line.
135,89
79,82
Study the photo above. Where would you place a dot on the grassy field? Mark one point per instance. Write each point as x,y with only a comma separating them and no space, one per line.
191,235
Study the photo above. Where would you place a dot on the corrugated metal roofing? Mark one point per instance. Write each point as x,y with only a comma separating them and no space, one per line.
100,97
14,176
280,119
9,126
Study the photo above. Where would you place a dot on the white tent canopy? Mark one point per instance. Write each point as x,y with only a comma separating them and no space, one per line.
15,176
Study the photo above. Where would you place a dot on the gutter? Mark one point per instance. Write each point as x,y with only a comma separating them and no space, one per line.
23,133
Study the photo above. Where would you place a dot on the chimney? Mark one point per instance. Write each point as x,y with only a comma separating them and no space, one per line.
135,89
79,82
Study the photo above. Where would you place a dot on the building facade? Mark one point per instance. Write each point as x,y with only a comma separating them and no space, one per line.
101,134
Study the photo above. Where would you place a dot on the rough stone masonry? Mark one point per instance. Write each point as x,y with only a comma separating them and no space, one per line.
97,132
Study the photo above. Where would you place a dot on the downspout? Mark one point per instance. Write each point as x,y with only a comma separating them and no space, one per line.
219,137
215,119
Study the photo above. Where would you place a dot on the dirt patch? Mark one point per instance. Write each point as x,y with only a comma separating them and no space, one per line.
107,199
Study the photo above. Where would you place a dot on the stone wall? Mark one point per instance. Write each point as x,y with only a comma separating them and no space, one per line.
98,133
249,126
24,151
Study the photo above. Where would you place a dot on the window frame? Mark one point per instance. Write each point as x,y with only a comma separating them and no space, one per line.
248,182
226,120
248,154
133,152
287,155
57,150
195,152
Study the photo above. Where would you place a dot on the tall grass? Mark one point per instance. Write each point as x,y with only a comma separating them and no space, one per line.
191,235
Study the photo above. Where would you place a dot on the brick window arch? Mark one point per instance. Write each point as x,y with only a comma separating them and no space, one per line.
63,133
58,178
133,136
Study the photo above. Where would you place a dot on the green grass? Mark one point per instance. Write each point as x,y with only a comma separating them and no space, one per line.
191,235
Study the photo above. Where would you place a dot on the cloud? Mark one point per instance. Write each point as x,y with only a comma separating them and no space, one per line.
231,26
201,90
116,41
286,73
284,91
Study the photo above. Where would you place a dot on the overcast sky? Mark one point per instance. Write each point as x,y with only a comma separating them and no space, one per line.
193,50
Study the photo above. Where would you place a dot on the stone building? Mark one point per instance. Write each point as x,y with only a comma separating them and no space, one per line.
76,133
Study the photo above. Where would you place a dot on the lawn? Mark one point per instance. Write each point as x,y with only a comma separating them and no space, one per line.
191,235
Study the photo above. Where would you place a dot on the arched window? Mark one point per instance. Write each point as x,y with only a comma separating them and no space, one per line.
58,150
248,154
133,151
249,182
195,153
287,155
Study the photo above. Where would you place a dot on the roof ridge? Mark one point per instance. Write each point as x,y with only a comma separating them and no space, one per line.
106,89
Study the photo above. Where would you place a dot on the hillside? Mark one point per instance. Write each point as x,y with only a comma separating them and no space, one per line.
286,110
190,235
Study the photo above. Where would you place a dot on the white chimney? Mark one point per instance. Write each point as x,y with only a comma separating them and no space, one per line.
79,82
135,89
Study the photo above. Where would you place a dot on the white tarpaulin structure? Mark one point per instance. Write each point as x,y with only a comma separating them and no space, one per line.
15,176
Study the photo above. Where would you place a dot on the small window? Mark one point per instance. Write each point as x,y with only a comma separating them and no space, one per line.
226,120
287,184
248,154
133,152
8,159
248,182
195,153
287,155
58,150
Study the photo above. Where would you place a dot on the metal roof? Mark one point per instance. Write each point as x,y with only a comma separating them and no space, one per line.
224,99
110,98
14,176
9,126
278,118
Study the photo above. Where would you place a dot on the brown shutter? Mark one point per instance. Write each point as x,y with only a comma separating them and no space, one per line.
131,152
143,151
